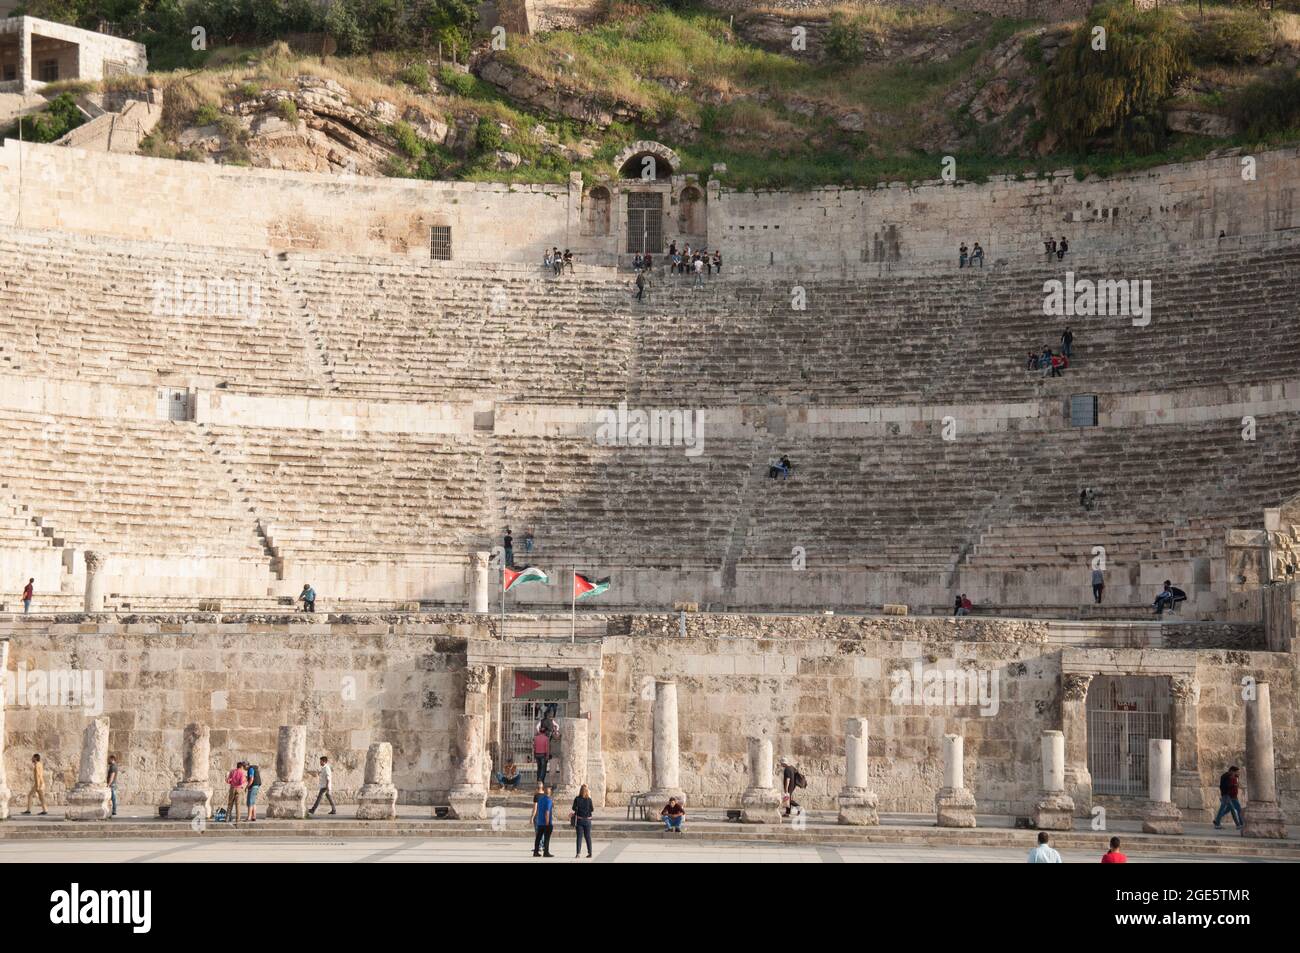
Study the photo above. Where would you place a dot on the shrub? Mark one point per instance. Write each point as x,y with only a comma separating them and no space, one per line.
1270,104
843,40
462,84
407,140
487,136
1121,90
250,91
207,115
55,121
288,111
1236,39
417,75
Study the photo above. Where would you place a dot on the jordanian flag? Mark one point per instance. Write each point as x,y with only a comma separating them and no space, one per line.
513,577
583,587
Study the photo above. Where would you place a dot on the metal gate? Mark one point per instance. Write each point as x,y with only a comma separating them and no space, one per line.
518,726
1117,749
645,221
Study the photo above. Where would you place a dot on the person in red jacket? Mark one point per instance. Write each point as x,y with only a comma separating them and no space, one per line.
1113,856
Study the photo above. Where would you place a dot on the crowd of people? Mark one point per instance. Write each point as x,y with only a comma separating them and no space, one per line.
557,262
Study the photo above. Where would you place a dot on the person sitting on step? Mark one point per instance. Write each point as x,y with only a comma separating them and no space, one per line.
781,468
1169,598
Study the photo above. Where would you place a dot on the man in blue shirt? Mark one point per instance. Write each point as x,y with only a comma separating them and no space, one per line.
543,811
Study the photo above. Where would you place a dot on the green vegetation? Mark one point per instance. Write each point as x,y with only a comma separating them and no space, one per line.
59,118
1270,106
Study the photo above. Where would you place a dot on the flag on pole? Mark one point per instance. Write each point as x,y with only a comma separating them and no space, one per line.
583,587
513,577
524,684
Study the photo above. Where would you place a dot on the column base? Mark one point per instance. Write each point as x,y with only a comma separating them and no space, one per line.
858,807
377,802
189,803
90,802
1162,817
1263,819
1078,786
760,806
5,794
470,804
287,800
955,807
1186,791
1054,812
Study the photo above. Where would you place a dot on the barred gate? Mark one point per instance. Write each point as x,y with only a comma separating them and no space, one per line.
645,213
1117,749
518,725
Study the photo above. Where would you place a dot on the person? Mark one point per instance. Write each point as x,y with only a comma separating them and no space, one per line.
1050,245
28,591
543,823
541,752
1098,585
791,781
966,605
1229,790
508,776
1031,363
636,263
528,541
1087,498
235,780
977,255
673,815
557,263
547,261
780,469
1044,853
699,270
1067,342
1113,856
112,782
307,597
717,261
962,256
508,544
1061,248
38,786
956,604
1058,365
568,260
640,286
647,262
547,722
254,781
326,786
1169,597
582,814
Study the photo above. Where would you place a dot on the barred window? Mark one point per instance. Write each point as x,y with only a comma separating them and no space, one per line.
440,242
1083,410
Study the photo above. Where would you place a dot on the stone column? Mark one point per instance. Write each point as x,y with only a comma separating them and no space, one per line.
4,787
761,802
468,797
1074,725
574,734
94,582
664,767
1262,814
90,799
954,805
288,795
25,56
857,801
377,799
1186,790
1161,815
590,700
192,797
1055,809
479,576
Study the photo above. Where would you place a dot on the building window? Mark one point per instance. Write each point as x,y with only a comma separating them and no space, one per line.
440,242
1083,410
11,73
49,71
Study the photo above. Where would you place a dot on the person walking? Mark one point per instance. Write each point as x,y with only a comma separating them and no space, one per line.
236,780
326,786
112,782
28,591
582,814
307,597
254,788
38,786
640,286
1229,792
1098,585
1067,342
542,751
543,824
791,781
1044,853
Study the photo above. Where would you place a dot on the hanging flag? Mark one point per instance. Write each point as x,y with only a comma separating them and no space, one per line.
513,577
583,587
524,684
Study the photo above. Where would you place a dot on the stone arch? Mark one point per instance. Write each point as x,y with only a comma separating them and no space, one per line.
690,211
631,162
596,212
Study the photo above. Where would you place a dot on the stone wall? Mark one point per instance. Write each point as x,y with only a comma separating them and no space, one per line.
356,680
894,226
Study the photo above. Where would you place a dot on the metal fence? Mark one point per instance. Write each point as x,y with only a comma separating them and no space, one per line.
1117,749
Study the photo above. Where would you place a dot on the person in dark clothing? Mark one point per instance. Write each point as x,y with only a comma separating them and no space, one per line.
1061,248
1067,342
509,546
1169,597
640,286
543,823
673,815
1049,245
790,778
1229,791
582,814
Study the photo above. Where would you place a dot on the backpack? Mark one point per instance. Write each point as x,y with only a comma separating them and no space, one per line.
799,780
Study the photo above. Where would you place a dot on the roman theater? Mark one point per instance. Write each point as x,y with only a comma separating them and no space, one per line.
221,384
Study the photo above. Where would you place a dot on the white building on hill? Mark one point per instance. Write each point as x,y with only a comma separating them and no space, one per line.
35,52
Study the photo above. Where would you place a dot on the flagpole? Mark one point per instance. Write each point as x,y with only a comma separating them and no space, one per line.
573,618
503,599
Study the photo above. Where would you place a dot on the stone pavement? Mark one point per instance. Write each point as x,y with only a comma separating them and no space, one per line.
382,850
